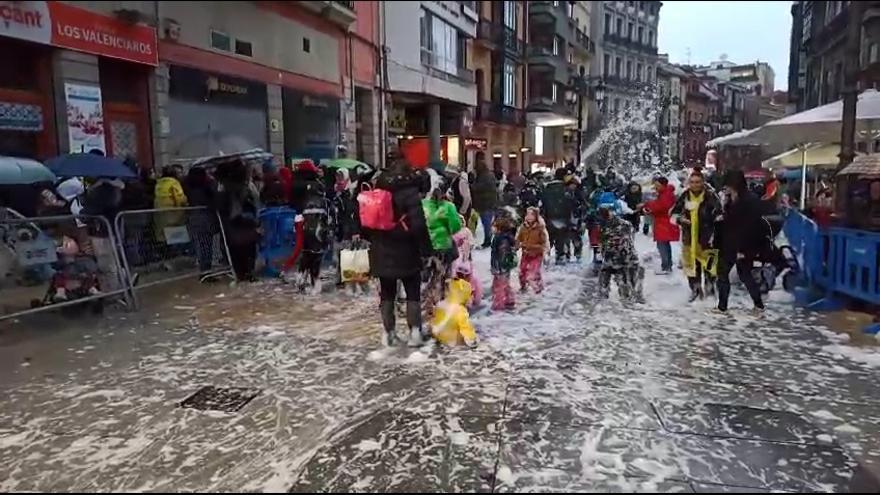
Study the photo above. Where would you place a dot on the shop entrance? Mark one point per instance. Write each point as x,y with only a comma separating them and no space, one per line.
125,93
26,110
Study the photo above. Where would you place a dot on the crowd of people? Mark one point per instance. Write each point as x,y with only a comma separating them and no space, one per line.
424,246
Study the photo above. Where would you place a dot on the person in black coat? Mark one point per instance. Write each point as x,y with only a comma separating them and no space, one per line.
201,191
237,206
308,198
397,255
633,198
739,239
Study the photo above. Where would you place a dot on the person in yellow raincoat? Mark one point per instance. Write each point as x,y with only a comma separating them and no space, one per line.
451,324
698,209
169,194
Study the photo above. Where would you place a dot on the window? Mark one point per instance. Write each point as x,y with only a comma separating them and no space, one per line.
619,30
244,48
221,41
556,45
649,74
650,37
638,72
555,95
571,54
606,65
608,24
631,31
641,34
569,7
509,83
510,14
629,69
556,3
618,67
442,46
307,45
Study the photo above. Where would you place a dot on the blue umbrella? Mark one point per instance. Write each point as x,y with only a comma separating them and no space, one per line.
15,171
89,165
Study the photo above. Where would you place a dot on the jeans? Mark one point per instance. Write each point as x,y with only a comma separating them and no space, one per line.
486,219
665,248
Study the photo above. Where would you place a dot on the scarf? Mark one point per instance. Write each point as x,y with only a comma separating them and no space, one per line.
695,252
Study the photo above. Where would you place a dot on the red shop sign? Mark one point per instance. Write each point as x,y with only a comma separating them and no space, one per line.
58,24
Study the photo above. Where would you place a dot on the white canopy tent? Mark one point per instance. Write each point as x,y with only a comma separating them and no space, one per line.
817,125
813,155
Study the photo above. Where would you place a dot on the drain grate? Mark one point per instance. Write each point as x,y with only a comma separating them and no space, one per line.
225,399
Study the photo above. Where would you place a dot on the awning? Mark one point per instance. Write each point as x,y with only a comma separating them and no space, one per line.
817,155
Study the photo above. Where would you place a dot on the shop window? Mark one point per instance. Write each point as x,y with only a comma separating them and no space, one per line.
307,45
244,48
26,59
221,41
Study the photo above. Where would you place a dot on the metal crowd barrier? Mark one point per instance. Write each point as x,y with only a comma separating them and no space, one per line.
165,245
57,262
839,260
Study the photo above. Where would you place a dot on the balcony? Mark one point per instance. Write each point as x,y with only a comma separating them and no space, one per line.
501,114
583,42
542,59
544,12
341,13
544,111
433,68
499,37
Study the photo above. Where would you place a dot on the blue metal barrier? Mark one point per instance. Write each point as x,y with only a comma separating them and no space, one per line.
278,242
838,260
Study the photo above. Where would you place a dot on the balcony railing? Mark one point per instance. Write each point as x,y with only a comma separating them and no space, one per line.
545,103
462,74
584,41
499,36
347,5
501,114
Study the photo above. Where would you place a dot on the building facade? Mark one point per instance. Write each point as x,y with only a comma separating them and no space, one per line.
628,51
758,78
559,54
431,80
499,124
166,82
672,98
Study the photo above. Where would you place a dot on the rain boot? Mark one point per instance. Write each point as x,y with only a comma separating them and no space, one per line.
414,322
388,321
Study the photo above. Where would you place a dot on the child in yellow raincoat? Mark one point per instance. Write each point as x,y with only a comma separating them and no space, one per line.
451,324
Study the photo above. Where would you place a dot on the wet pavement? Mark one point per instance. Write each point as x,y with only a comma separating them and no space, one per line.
254,388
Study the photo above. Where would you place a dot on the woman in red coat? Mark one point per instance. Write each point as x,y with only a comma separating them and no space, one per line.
665,232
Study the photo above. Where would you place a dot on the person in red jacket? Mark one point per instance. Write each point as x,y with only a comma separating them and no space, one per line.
665,232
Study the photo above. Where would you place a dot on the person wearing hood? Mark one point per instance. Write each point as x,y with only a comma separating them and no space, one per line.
534,241
665,232
741,239
620,260
698,208
396,255
451,324
347,230
503,261
238,207
633,198
443,222
168,194
484,194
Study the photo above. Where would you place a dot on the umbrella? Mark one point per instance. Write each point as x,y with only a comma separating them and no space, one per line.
211,143
15,171
89,165
865,166
247,156
813,155
344,163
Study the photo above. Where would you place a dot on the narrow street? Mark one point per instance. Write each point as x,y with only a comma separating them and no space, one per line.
566,393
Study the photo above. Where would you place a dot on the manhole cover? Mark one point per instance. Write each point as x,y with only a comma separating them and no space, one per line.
229,399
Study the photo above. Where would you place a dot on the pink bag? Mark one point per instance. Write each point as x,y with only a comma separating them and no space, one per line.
376,210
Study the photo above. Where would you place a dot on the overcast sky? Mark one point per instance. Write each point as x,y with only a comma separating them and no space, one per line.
745,31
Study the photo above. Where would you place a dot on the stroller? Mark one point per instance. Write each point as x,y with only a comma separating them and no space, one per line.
775,259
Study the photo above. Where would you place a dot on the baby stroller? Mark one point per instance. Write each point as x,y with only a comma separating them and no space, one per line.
775,259
75,277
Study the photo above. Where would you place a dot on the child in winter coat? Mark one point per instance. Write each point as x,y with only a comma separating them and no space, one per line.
619,257
503,261
532,237
462,267
451,324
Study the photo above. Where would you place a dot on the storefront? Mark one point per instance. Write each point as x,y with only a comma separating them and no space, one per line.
311,125
212,113
503,146
92,68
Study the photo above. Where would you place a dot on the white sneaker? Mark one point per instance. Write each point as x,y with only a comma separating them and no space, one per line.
415,337
94,291
60,294
316,289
